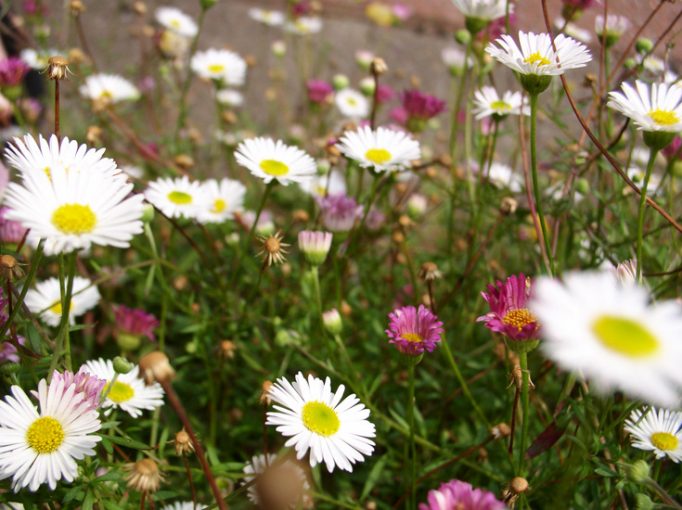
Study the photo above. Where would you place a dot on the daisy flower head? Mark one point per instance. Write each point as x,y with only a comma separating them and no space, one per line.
322,185
88,385
269,159
657,430
339,212
222,199
611,29
73,210
176,198
177,21
414,330
229,97
573,30
336,430
479,13
611,334
382,150
277,483
535,60
420,107
41,445
509,313
352,104
45,299
223,66
269,17
456,494
655,108
488,103
29,156
109,89
304,25
183,505
128,392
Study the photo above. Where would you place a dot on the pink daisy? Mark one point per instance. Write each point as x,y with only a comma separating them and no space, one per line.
458,495
509,314
413,330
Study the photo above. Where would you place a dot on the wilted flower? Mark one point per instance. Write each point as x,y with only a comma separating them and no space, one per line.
274,250
11,231
144,475
414,330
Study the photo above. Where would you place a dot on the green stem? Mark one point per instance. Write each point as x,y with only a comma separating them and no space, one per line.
63,338
462,382
411,501
525,387
534,175
642,208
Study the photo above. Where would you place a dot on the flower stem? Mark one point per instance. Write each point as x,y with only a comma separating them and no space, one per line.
66,290
534,174
642,208
411,501
525,387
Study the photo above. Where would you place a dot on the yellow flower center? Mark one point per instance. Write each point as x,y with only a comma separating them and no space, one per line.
219,206
412,337
625,336
45,435
106,94
274,167
351,101
180,197
519,318
321,419
500,105
119,392
175,23
57,307
536,58
378,156
48,172
216,68
664,117
664,441
74,219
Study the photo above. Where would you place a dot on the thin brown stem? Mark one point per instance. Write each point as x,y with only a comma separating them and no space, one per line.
192,489
56,108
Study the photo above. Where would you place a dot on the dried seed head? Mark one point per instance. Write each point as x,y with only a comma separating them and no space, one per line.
180,282
265,398
274,250
144,475
57,68
508,206
227,349
429,272
76,56
77,7
183,444
518,485
378,66
10,268
156,367
282,485
94,135
501,430
184,161
301,216
140,8
229,117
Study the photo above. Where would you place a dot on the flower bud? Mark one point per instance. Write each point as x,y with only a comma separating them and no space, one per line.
278,48
367,86
122,366
639,471
156,367
644,45
147,213
332,321
340,81
463,37
314,246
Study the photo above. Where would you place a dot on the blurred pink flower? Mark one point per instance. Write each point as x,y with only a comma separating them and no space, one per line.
319,91
509,314
459,495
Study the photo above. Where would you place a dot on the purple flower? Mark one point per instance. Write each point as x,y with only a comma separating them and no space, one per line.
420,105
135,322
399,115
319,91
339,212
579,4
401,11
458,495
385,93
413,330
375,219
672,151
509,314
88,385
498,26
12,71
8,351
10,231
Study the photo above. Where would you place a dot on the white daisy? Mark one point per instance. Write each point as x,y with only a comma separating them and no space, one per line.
270,159
486,10
615,27
488,102
657,430
658,108
229,97
536,55
611,334
177,21
322,185
222,199
454,58
336,432
352,104
177,197
502,175
29,156
572,30
268,17
45,299
653,64
383,149
224,66
287,470
109,88
42,445
183,505
133,171
73,210
128,392
304,25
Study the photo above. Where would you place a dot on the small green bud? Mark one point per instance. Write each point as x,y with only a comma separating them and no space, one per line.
340,82
644,45
630,63
582,185
644,502
657,140
332,321
463,37
147,213
122,366
639,471
367,86
475,25
128,342
535,83
191,347
207,4
676,169
279,48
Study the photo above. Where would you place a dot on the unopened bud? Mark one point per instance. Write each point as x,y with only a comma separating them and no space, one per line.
340,81
378,66
332,321
639,471
184,161
463,37
122,366
147,213
183,443
519,485
644,45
